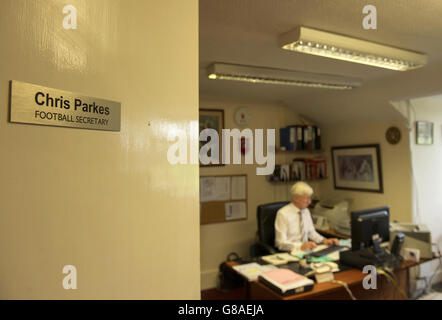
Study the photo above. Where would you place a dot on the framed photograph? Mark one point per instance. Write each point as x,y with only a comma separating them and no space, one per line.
357,168
424,132
212,119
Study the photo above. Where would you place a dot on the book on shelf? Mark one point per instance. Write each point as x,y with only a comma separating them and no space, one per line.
298,170
313,136
309,169
284,172
318,138
300,137
284,139
319,168
301,169
288,138
306,137
276,175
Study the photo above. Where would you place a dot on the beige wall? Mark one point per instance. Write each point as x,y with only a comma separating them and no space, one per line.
218,240
427,170
107,202
426,165
396,168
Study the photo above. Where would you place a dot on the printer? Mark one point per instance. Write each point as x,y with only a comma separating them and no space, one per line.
417,236
335,215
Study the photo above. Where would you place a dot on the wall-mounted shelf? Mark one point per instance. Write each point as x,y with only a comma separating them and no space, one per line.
303,151
300,169
294,181
306,162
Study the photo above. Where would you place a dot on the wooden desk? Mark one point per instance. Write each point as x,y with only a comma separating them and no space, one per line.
333,291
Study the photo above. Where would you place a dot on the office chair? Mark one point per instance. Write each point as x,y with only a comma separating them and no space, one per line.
266,215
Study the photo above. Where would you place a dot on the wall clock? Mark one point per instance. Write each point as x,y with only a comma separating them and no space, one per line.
242,116
393,135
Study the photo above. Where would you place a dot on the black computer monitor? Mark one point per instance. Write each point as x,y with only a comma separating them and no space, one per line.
366,223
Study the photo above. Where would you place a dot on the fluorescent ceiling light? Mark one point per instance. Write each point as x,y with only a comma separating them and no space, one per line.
222,71
340,47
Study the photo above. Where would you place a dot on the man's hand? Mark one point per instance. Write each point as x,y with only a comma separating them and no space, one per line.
330,241
309,245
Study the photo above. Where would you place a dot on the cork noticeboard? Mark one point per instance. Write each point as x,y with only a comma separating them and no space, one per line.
223,198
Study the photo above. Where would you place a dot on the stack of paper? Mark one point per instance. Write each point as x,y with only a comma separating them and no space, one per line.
286,281
252,270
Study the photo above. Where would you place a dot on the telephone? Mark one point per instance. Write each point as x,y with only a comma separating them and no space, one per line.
323,271
397,245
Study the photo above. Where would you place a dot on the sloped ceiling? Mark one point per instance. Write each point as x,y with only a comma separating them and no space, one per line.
246,32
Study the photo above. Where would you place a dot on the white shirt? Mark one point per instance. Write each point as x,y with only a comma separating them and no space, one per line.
288,228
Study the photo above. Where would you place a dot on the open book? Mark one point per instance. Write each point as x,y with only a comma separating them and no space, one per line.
285,281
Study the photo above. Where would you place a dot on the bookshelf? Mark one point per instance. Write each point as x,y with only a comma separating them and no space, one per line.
300,156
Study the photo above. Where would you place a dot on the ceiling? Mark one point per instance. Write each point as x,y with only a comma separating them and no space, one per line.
246,32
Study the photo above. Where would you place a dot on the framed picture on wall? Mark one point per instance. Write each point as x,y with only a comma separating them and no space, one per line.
212,119
424,132
357,168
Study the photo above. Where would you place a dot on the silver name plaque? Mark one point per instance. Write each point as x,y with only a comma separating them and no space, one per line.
52,107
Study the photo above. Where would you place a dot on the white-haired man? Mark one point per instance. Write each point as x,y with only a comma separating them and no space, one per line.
294,229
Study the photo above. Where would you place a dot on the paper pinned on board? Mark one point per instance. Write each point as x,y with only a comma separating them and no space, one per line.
239,188
207,189
214,189
235,210
222,188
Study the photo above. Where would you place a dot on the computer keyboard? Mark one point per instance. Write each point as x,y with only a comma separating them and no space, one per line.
326,251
